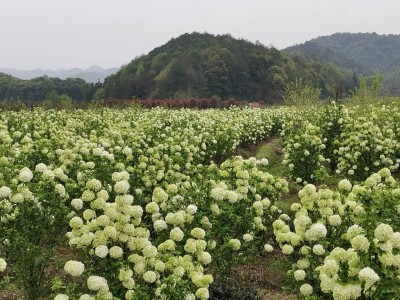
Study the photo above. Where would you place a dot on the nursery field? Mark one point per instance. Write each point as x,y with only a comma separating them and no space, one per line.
173,204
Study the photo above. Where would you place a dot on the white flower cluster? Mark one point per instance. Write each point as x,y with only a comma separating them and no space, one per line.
304,152
367,147
74,268
3,264
327,218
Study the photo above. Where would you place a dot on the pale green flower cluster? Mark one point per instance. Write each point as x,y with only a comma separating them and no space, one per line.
3,264
74,268
366,147
335,234
140,192
354,143
133,182
303,152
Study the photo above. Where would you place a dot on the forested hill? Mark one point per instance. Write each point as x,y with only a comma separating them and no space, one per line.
204,65
38,89
365,53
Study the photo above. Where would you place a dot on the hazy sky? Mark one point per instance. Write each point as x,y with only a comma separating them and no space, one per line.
80,33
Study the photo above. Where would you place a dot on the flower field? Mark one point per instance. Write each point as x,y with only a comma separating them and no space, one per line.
153,204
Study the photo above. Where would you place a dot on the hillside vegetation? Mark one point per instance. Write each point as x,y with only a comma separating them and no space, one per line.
93,74
364,53
204,65
40,88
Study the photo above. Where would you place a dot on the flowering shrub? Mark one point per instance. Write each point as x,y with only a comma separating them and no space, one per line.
153,205
138,191
32,213
365,148
345,243
238,206
331,121
304,153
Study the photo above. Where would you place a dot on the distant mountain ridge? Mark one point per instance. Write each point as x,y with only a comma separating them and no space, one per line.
364,53
90,75
202,65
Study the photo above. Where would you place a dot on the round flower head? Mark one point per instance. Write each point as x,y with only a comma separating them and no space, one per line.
299,275
348,291
40,167
268,248
353,231
89,214
202,293
190,297
160,225
74,268
191,209
232,196
330,267
127,151
159,195
303,263
101,251
384,232
116,252
5,192
48,174
61,297
86,297
344,185
77,203
17,198
218,193
306,289
150,276
93,184
152,208
198,233
76,222
234,244
287,249
205,258
190,246
176,234
369,276
247,237
88,195
150,251
360,243
103,194
334,220
3,265
96,283
316,232
396,240
121,187
318,249
25,175
257,205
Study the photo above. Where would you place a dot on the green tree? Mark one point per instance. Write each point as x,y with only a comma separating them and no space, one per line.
300,94
54,100
368,90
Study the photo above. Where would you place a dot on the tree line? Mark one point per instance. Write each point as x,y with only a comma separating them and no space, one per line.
46,88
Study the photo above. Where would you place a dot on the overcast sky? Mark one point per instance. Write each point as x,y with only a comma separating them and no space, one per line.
81,33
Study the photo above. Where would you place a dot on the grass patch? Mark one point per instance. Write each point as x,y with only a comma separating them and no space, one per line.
272,150
267,274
